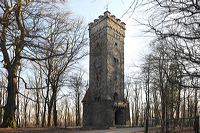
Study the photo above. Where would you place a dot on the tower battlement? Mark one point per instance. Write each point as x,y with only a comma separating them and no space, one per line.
107,20
107,14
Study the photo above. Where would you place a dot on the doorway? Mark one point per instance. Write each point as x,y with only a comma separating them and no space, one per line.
119,120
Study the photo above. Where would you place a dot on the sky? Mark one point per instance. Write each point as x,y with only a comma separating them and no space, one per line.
136,44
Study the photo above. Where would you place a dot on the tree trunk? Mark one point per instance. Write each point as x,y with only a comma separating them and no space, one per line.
1,104
55,114
18,112
178,105
37,109
65,117
132,112
78,108
44,114
163,112
184,106
25,111
18,118
45,105
66,114
195,103
50,105
156,108
9,110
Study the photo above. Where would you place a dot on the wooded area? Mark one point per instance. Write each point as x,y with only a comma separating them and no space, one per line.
41,84
44,43
170,72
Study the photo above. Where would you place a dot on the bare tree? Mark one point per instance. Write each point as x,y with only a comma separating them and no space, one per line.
133,87
2,95
21,23
36,82
65,35
176,23
77,84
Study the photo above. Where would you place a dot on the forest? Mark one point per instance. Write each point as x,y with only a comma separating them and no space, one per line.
42,83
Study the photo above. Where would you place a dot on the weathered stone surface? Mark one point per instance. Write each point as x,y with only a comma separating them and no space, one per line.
104,104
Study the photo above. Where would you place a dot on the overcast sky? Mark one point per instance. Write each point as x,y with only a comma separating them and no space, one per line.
135,44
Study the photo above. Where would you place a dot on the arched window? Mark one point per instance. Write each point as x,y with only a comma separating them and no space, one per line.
115,97
115,60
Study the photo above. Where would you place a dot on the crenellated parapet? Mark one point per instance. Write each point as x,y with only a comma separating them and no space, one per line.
107,21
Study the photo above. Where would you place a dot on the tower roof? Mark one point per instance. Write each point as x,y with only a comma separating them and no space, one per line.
88,96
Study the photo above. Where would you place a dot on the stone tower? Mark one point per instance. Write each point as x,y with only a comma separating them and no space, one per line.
104,104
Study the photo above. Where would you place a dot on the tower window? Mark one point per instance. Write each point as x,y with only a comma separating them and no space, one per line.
115,60
97,77
97,98
115,97
115,78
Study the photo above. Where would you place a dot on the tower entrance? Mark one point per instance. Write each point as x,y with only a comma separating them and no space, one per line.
119,119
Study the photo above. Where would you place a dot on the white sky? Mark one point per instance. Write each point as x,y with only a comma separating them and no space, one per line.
135,43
